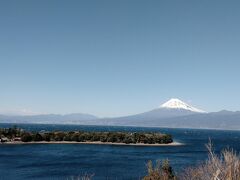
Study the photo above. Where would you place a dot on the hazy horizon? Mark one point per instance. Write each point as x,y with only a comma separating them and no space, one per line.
25,112
116,58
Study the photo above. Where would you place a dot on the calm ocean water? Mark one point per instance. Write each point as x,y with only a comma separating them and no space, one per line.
61,161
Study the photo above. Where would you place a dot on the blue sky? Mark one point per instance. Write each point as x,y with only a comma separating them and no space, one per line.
112,58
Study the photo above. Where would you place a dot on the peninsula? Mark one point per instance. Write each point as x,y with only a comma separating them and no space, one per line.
19,136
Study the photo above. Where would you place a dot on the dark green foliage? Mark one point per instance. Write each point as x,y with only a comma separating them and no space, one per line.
128,139
11,132
76,137
37,137
67,137
103,137
79,136
58,136
95,137
26,137
112,137
46,137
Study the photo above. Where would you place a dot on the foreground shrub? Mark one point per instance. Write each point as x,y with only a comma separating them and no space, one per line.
225,166
162,171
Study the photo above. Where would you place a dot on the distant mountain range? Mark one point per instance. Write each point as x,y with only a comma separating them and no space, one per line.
76,118
174,114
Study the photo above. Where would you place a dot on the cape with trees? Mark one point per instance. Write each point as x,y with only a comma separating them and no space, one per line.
17,134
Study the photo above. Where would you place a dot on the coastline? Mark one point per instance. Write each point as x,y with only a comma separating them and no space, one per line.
94,143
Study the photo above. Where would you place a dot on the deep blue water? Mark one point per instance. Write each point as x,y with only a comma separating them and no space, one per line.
61,161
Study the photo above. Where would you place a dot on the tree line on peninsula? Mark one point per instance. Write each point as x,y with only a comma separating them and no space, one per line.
17,134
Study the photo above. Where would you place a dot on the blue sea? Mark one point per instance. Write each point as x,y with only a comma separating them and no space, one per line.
64,161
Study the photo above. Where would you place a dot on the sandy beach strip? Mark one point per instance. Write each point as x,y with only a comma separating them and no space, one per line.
93,142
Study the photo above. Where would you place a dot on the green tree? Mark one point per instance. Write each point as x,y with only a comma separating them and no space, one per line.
26,137
37,137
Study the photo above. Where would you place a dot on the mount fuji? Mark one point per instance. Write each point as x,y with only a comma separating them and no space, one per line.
178,104
178,114
170,109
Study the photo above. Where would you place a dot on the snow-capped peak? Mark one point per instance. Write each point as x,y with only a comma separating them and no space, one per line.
178,104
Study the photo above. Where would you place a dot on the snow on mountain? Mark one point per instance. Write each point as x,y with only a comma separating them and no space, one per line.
178,104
